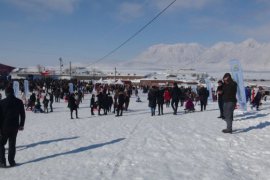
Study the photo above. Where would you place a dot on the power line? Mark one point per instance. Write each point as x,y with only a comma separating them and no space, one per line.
134,35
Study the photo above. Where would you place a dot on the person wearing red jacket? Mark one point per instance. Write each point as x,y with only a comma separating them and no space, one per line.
167,97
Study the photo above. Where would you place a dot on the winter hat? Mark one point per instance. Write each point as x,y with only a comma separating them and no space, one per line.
9,90
220,81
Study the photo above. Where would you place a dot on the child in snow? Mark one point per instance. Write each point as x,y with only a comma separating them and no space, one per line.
37,107
138,99
45,104
189,105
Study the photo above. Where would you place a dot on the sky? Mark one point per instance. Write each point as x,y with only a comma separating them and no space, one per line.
36,32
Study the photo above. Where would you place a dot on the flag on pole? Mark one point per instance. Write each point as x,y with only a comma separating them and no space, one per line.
237,74
16,88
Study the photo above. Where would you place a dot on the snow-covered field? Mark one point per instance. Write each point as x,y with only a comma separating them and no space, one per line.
137,146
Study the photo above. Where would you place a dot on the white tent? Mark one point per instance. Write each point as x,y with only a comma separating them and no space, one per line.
109,81
119,82
100,81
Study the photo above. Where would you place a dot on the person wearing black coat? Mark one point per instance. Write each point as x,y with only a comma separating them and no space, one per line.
32,101
152,98
72,105
120,105
257,100
57,95
127,100
175,93
220,98
110,102
203,95
100,102
182,96
92,104
51,101
229,99
12,119
160,101
45,104
105,103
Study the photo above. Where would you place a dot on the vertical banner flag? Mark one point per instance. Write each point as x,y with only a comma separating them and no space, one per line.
16,88
26,88
209,88
237,74
71,89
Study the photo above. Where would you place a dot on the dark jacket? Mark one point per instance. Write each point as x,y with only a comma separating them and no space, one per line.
45,102
100,100
220,93
176,93
203,94
72,103
110,100
51,97
160,97
121,99
33,98
152,98
92,102
229,92
257,98
12,114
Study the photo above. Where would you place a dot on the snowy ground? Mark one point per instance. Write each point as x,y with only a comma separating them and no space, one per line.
140,147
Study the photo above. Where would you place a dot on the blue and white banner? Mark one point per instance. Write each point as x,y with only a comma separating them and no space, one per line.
16,88
209,88
237,74
71,88
26,88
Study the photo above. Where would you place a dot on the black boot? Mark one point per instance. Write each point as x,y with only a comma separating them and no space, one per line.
3,165
227,131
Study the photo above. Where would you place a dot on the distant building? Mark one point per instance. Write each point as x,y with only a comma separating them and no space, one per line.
5,69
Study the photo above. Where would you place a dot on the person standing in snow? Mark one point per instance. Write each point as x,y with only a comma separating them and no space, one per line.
92,104
120,104
203,94
220,99
110,102
167,97
127,100
176,93
257,99
51,101
229,99
12,119
152,98
45,104
72,105
160,101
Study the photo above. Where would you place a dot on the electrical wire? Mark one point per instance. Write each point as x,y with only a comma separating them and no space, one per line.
133,36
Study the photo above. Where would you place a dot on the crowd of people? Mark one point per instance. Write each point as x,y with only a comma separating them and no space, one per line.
110,99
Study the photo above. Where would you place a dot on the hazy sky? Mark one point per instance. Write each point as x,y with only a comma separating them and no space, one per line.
40,31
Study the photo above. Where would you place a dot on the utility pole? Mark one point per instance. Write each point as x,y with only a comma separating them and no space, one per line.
115,74
61,66
70,69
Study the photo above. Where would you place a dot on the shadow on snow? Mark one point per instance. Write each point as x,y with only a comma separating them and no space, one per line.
259,126
252,117
75,151
22,147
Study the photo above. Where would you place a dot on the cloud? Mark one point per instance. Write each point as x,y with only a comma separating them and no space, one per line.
34,6
128,11
259,32
183,4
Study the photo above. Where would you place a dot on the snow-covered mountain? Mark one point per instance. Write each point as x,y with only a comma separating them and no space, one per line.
253,55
